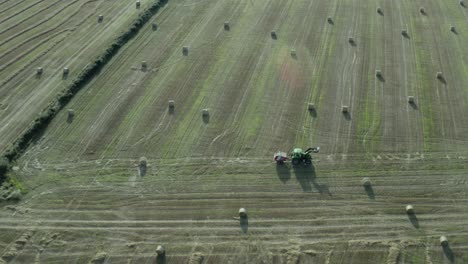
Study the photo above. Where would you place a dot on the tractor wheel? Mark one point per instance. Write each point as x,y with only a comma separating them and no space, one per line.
308,162
295,161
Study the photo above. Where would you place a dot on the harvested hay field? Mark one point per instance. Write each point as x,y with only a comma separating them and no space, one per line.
87,200
51,35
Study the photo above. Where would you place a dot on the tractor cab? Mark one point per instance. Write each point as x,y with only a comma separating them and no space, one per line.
297,156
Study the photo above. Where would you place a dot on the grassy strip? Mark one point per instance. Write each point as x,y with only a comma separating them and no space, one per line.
38,126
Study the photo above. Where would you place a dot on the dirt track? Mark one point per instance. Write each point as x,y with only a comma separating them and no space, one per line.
85,195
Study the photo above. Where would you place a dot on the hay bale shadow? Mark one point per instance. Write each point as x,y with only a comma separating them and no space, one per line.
274,35
206,119
294,56
154,27
442,79
330,21
406,35
185,52
448,253
353,43
161,259
370,191
244,224
171,110
313,113
381,78
414,105
64,76
70,118
38,75
413,219
227,28
283,171
304,175
347,115
142,170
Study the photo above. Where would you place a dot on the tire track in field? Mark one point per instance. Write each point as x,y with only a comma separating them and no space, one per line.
40,23
22,11
12,6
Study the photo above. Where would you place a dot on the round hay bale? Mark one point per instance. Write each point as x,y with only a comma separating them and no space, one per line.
404,32
242,212
311,107
330,20
453,29
99,258
293,52
443,241
422,10
379,10
462,3
100,18
226,25
185,50
160,250
143,162
205,112
409,209
39,70
439,75
345,109
65,70
378,73
411,99
154,26
137,4
144,65
366,181
171,104
351,40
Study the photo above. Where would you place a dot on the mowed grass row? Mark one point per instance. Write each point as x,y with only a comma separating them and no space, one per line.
51,35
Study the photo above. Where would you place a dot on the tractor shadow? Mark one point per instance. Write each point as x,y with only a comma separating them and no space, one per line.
413,219
448,253
306,176
370,191
284,172
244,224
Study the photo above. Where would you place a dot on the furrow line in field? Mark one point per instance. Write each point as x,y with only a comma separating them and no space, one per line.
40,23
22,11
12,6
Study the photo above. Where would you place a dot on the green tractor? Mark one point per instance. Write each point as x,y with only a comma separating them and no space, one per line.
298,156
